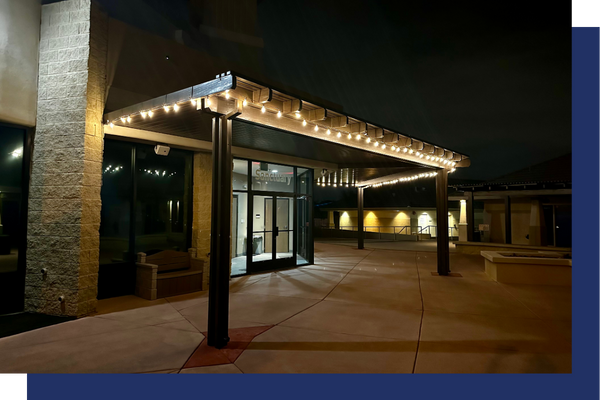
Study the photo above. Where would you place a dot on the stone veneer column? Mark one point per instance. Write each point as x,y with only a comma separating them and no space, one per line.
64,200
462,224
202,195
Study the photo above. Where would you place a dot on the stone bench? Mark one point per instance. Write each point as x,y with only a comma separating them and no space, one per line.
528,268
169,273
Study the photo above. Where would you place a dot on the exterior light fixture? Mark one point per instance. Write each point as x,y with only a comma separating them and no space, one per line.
167,108
111,125
227,94
304,122
349,136
405,150
175,107
383,146
193,101
358,136
410,151
368,140
245,102
316,128
128,119
143,114
339,134
150,113
328,132
263,109
278,114
123,119
376,144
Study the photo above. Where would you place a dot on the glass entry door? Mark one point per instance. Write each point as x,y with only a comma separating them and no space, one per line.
272,232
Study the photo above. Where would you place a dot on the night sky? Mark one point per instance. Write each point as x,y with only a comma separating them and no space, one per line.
493,82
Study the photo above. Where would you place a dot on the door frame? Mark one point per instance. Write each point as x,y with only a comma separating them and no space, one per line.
273,263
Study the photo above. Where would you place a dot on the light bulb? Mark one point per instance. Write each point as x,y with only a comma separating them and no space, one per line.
421,155
397,149
227,94
410,151
111,125
166,108
245,103
150,113
368,140
176,107
417,154
208,102
383,146
393,147
427,157
405,150
349,136
328,132
339,134
193,101
297,114
263,109
278,114
376,144
316,128
304,122
144,113
358,136
128,119
123,119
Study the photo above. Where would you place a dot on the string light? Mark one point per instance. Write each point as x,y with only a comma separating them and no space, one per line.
123,119
410,151
376,144
167,108
368,140
328,132
358,136
405,150
150,113
175,107
397,149
143,114
383,146
393,147
349,136
339,134
405,179
128,119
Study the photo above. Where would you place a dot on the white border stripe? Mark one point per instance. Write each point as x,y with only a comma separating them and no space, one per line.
13,386
586,13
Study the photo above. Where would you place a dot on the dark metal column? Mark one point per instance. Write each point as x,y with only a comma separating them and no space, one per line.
361,218
218,292
443,242
470,216
507,220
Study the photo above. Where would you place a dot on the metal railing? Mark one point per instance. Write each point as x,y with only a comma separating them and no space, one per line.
396,230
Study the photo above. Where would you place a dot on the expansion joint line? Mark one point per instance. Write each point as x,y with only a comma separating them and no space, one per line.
422,313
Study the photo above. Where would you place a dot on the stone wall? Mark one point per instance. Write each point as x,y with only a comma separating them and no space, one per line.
64,200
202,205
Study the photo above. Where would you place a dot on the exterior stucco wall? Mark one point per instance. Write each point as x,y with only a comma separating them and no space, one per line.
19,45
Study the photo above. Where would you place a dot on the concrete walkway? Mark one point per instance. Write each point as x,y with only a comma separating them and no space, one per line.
353,311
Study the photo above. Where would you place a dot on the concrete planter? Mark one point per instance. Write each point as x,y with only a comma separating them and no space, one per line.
528,268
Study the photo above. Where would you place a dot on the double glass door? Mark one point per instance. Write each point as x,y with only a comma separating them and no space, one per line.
272,232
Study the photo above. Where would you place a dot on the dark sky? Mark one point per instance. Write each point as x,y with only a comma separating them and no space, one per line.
490,81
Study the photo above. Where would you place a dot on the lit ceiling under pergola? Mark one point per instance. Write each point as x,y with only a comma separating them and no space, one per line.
270,120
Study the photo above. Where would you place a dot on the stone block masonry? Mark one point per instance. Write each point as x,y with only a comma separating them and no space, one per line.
64,201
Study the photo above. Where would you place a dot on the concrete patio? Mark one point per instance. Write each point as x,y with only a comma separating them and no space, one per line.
354,311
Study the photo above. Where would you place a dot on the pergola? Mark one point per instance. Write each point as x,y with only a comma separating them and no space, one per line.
284,124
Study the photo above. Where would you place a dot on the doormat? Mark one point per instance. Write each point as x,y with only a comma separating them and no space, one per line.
239,339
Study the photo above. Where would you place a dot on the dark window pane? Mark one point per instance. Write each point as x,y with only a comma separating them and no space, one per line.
162,206
116,202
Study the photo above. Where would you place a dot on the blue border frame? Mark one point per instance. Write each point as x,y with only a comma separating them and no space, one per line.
581,384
